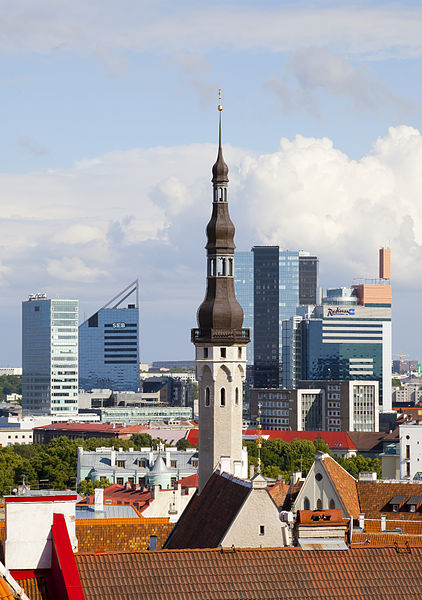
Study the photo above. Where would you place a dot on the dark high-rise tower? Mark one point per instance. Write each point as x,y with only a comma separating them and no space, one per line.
220,343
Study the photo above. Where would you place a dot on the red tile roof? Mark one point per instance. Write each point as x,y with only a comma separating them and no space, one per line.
189,482
208,516
374,498
345,485
335,440
261,574
100,427
278,492
118,493
193,437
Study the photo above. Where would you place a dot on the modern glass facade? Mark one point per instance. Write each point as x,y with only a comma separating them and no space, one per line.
267,284
244,290
109,347
351,344
49,356
308,279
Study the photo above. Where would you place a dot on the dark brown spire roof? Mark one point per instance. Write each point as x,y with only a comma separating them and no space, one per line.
220,171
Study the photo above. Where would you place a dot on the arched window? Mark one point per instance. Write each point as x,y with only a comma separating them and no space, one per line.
319,504
207,396
230,273
239,352
236,396
220,194
223,397
212,267
306,503
332,504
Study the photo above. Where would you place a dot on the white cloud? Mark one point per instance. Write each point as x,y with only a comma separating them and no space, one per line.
88,231
55,26
315,70
73,269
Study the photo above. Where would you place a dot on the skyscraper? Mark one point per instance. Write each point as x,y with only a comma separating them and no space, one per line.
220,344
348,337
270,284
49,356
109,346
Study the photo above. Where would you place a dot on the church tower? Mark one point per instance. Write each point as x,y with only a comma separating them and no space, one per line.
220,343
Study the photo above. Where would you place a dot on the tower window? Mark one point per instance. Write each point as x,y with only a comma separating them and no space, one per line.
223,397
230,261
306,503
236,396
239,352
207,396
223,352
205,352
261,530
222,267
220,194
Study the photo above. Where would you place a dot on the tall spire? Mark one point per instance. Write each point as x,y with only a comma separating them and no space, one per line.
220,170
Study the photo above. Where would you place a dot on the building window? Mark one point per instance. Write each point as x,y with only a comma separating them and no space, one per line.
236,396
223,397
239,352
142,462
261,530
207,396
119,481
319,504
306,503
121,464
332,504
205,352
223,352
152,542
173,464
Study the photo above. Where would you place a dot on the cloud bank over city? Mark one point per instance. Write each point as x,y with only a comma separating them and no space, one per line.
109,134
65,228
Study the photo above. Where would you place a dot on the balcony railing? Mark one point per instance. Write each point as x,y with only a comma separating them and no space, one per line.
221,335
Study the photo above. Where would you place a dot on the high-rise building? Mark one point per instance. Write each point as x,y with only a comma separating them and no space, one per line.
109,345
346,338
220,344
270,284
49,356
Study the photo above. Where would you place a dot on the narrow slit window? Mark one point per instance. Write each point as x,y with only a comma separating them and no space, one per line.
223,397
236,396
207,396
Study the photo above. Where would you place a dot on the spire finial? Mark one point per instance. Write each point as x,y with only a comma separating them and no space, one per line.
220,170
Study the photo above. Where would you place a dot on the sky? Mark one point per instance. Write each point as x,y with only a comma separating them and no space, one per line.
108,132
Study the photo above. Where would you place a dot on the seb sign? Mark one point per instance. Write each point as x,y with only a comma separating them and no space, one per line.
119,325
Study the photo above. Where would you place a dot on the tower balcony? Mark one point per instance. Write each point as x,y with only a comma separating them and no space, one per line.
220,336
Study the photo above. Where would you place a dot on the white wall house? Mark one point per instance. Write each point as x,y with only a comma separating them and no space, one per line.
410,452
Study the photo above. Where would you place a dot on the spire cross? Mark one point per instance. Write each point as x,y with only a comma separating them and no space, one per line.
220,106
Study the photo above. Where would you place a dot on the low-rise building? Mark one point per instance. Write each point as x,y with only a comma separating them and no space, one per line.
145,467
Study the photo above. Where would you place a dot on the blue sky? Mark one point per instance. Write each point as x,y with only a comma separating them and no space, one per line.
108,133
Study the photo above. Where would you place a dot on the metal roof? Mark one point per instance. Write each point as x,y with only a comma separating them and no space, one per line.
322,544
86,511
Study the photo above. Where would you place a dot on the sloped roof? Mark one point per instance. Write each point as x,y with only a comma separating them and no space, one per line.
368,441
189,482
264,574
335,440
278,492
159,466
345,485
375,496
35,587
5,590
208,516
119,492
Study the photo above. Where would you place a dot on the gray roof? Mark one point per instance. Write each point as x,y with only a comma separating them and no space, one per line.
85,511
99,462
159,466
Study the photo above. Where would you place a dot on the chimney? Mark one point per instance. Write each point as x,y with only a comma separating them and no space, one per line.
385,263
99,500
251,471
295,477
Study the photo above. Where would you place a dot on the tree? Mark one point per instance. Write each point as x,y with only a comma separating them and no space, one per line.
396,382
182,444
142,440
10,384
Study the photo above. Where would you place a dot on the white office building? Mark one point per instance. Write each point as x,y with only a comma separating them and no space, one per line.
49,356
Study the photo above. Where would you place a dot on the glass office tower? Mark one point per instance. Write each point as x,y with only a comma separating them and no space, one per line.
268,283
109,345
49,356
244,290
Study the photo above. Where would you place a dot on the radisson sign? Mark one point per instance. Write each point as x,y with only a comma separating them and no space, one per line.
338,311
